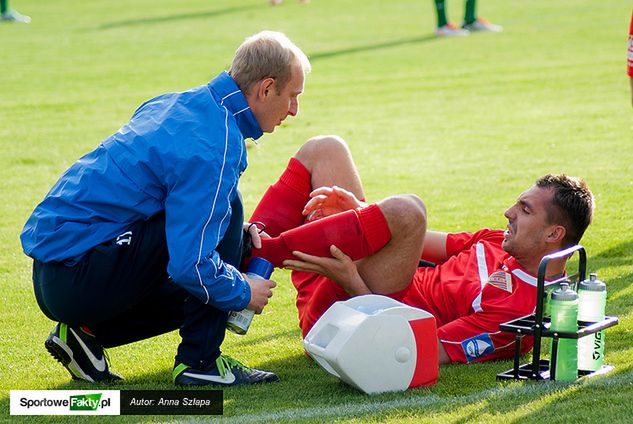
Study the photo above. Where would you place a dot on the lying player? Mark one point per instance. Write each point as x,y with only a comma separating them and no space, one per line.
339,246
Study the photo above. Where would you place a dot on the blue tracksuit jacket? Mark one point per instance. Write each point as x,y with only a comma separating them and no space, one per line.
181,153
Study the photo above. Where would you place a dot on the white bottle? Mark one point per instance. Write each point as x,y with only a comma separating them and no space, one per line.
592,295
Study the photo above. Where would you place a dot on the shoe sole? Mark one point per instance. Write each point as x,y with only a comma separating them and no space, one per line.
193,382
62,353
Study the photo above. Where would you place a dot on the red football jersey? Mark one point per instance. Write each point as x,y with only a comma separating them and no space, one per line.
479,287
630,51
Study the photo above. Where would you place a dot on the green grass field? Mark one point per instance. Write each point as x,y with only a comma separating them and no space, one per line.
467,124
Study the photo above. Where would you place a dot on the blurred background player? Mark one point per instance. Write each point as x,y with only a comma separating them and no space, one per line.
8,15
630,58
472,23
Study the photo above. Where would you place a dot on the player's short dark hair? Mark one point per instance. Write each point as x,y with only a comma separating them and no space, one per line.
572,205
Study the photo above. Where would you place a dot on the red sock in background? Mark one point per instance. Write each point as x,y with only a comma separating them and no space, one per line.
358,233
281,206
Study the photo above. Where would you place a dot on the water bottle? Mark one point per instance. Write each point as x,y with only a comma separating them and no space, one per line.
592,300
239,321
564,317
547,298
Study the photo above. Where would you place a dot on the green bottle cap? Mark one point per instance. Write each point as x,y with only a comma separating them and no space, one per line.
564,293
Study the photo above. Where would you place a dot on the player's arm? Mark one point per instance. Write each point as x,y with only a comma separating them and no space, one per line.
339,268
443,357
477,337
435,247
439,246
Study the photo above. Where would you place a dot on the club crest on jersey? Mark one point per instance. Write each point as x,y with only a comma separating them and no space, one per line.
501,280
477,346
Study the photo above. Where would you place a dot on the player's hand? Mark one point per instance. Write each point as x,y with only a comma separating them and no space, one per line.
326,201
256,232
339,268
261,291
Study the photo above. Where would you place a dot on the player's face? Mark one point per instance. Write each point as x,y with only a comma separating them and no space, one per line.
276,106
528,224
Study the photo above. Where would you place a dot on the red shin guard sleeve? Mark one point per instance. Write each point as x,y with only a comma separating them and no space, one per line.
281,206
357,233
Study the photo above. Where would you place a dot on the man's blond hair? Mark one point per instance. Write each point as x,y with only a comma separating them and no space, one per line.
266,54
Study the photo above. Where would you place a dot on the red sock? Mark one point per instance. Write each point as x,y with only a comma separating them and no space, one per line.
358,233
280,208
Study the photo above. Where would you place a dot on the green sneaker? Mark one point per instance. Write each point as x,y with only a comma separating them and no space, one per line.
226,372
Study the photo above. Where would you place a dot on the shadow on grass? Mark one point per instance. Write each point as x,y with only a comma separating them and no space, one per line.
371,47
178,17
619,254
293,334
568,402
616,256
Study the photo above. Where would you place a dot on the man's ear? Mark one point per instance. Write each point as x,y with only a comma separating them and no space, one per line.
556,234
265,87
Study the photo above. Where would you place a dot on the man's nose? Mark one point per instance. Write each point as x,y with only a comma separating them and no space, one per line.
294,108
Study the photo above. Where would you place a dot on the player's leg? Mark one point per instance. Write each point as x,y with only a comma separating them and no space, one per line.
444,27
391,269
440,10
359,233
470,14
474,23
330,163
281,206
327,161
6,14
321,161
388,271
398,221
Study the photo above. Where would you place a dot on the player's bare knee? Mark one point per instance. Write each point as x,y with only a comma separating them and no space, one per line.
322,147
405,214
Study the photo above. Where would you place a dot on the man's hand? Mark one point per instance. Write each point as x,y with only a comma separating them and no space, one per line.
326,201
339,268
256,232
261,291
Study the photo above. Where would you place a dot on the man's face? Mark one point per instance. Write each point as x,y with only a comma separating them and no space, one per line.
270,107
528,226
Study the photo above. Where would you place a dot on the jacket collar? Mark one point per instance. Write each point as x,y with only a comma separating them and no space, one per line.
229,95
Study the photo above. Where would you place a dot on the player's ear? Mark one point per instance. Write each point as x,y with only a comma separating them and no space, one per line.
556,234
